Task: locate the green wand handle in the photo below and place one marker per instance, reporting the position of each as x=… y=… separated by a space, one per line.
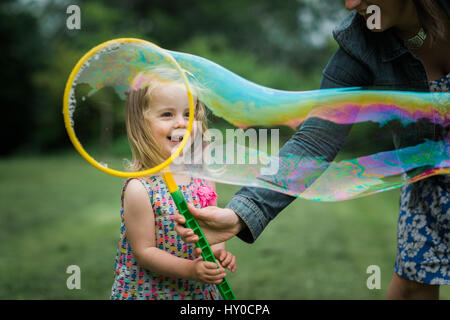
x=207 y=254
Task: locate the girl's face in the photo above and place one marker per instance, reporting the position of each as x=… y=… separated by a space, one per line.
x=391 y=11
x=168 y=116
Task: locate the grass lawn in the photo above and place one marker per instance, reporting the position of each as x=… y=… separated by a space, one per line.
x=58 y=211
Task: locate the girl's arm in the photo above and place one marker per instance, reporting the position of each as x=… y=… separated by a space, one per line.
x=140 y=226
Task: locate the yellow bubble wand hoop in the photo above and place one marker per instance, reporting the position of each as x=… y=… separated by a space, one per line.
x=207 y=254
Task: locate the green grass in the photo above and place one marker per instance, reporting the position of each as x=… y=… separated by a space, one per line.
x=57 y=211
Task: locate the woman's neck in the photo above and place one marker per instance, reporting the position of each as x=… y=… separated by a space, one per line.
x=409 y=24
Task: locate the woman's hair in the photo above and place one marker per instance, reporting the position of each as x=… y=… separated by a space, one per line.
x=432 y=18
x=146 y=153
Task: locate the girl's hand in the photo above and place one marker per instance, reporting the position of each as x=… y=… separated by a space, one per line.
x=226 y=259
x=207 y=272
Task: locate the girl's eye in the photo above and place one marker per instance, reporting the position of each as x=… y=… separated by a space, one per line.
x=166 y=114
x=186 y=114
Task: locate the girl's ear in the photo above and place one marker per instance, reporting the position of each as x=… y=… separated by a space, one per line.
x=147 y=113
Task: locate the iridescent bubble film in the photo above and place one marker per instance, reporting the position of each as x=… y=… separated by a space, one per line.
x=388 y=138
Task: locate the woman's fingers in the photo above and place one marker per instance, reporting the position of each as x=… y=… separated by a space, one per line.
x=217 y=224
x=198 y=213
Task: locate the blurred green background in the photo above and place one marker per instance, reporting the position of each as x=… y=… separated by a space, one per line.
x=56 y=210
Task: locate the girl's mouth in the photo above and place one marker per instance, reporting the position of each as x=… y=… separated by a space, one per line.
x=176 y=135
x=175 y=138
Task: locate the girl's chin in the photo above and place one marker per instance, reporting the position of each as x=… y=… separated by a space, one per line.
x=170 y=148
x=173 y=146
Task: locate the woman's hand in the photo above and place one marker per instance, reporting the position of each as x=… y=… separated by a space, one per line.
x=226 y=259
x=207 y=272
x=217 y=224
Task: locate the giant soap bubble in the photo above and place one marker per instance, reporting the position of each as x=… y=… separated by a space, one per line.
x=383 y=140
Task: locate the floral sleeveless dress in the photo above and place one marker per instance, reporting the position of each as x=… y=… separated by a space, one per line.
x=133 y=282
x=423 y=234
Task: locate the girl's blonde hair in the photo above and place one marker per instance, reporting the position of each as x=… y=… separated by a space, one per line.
x=146 y=153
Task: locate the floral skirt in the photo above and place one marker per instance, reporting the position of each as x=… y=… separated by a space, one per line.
x=423 y=233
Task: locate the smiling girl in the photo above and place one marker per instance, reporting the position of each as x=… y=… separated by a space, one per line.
x=152 y=262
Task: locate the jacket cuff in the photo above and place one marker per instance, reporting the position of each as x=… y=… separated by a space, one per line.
x=252 y=216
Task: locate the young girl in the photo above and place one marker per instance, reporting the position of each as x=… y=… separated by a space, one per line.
x=152 y=262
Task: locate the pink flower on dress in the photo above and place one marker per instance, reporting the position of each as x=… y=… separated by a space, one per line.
x=206 y=195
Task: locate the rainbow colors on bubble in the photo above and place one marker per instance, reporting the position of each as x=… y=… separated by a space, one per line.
x=365 y=165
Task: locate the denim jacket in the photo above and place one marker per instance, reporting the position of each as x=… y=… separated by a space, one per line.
x=364 y=58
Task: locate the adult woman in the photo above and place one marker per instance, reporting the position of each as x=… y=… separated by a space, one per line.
x=408 y=52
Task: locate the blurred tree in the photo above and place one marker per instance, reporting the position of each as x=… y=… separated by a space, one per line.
x=65 y=47
x=281 y=44
x=21 y=56
x=291 y=32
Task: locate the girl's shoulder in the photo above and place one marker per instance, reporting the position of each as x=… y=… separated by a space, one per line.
x=134 y=185
x=134 y=191
x=138 y=184
x=144 y=187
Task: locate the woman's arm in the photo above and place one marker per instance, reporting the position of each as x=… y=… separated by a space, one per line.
x=140 y=226
x=251 y=209
x=316 y=137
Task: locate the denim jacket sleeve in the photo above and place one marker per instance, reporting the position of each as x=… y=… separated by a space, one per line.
x=316 y=137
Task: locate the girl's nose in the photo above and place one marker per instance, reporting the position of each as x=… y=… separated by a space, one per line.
x=352 y=4
x=180 y=122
